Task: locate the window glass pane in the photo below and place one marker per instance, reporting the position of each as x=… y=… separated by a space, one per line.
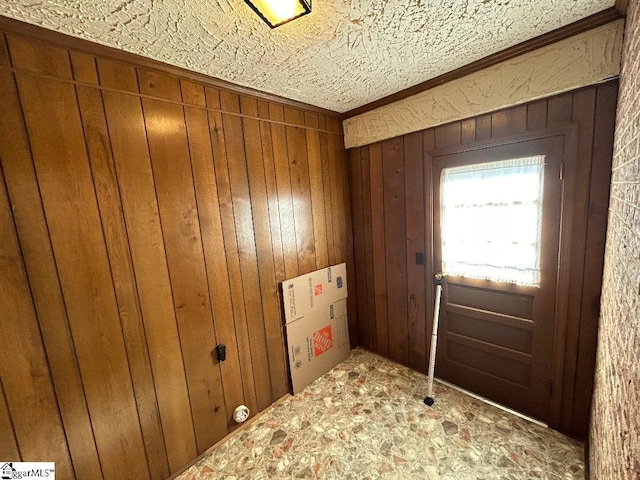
x=491 y=216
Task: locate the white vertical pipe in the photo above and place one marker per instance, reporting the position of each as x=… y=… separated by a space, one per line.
x=434 y=340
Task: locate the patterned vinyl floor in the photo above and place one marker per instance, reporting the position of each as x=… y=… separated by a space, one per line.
x=365 y=419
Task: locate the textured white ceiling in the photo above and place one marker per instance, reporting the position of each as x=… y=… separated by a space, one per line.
x=345 y=54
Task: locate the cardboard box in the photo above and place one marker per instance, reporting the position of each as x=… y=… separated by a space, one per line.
x=317 y=342
x=306 y=292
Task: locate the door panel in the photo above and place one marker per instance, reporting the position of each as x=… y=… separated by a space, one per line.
x=496 y=339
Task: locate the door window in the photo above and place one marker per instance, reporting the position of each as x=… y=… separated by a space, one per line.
x=491 y=220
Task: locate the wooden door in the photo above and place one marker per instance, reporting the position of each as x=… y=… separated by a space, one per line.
x=496 y=339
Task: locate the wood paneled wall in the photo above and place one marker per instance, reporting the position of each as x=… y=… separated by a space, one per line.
x=145 y=218
x=391 y=197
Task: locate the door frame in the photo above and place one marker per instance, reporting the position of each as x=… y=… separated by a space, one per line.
x=569 y=132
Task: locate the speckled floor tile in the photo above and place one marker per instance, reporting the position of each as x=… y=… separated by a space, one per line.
x=365 y=419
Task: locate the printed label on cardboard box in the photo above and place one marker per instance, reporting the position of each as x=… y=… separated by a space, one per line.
x=322 y=341
x=317 y=342
x=322 y=287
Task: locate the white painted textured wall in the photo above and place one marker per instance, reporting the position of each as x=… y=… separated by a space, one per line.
x=584 y=59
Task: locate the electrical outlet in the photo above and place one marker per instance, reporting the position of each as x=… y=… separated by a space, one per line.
x=221 y=352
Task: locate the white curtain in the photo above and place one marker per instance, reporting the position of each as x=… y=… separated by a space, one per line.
x=491 y=217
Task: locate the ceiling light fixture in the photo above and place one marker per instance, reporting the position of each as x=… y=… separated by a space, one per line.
x=279 y=12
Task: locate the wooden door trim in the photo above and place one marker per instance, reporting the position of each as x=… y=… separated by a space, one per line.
x=564 y=273
x=566 y=129
x=569 y=132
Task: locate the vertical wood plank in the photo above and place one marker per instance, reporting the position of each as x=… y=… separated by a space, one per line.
x=537 y=115
x=214 y=253
x=294 y=116
x=118 y=75
x=368 y=248
x=269 y=161
x=378 y=248
x=193 y=94
x=343 y=221
x=583 y=114
x=326 y=196
x=135 y=179
x=340 y=194
x=4 y=54
x=245 y=235
x=32 y=404
x=396 y=246
x=564 y=267
x=346 y=223
x=279 y=383
x=22 y=186
x=84 y=67
x=360 y=280
x=227 y=213
x=339 y=167
x=272 y=191
x=316 y=186
x=9 y=445
x=448 y=135
x=300 y=189
x=340 y=184
x=483 y=127
x=559 y=109
x=334 y=125
x=322 y=122
x=415 y=240
x=468 y=127
x=37 y=57
x=311 y=120
x=182 y=238
x=264 y=250
x=428 y=140
x=159 y=85
x=100 y=157
x=606 y=98
x=510 y=121
x=339 y=201
x=285 y=199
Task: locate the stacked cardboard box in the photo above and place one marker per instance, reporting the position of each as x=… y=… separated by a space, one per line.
x=315 y=310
